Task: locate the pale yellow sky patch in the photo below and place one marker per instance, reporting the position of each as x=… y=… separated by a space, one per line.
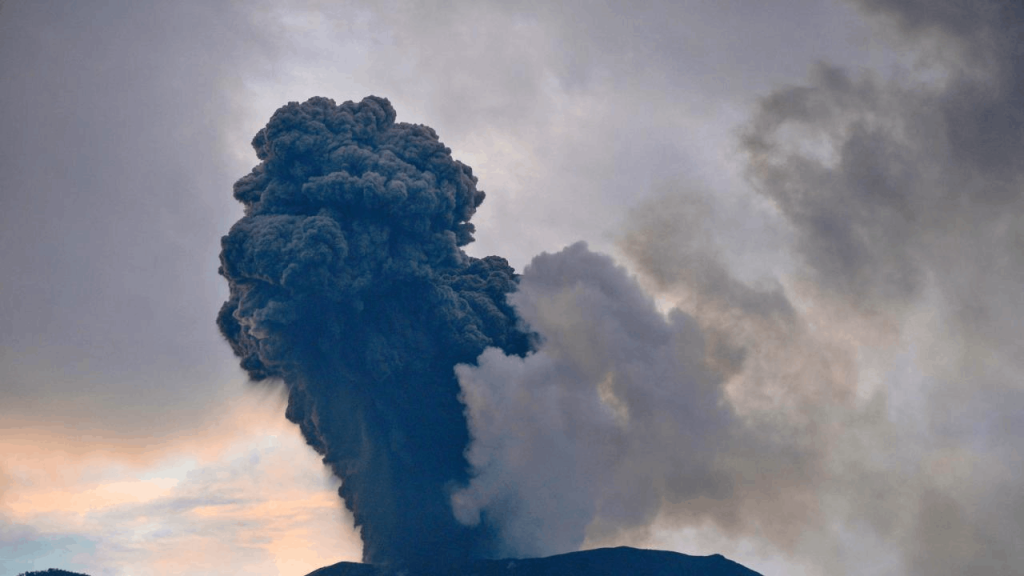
x=272 y=507
x=24 y=504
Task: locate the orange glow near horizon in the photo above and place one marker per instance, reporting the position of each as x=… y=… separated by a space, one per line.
x=244 y=492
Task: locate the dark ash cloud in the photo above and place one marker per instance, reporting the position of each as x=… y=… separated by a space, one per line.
x=348 y=283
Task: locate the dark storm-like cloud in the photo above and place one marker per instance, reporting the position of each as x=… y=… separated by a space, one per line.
x=348 y=283
x=894 y=161
x=909 y=192
x=906 y=197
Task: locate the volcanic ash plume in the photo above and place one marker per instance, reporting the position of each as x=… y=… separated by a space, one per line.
x=615 y=414
x=347 y=283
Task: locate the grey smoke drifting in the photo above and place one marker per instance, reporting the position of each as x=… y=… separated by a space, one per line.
x=907 y=177
x=614 y=414
x=906 y=199
x=887 y=365
x=348 y=283
x=626 y=417
x=864 y=411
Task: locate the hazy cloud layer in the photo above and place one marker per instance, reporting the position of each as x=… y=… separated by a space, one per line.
x=108 y=230
x=903 y=196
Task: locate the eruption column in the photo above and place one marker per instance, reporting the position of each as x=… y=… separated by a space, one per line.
x=348 y=283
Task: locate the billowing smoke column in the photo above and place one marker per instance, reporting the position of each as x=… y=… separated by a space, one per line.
x=614 y=415
x=347 y=282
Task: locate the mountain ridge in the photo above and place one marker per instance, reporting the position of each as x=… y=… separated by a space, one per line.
x=617 y=561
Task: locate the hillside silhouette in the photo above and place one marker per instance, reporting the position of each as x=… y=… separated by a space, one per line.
x=621 y=561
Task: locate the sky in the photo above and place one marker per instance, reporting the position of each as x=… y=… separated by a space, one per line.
x=818 y=201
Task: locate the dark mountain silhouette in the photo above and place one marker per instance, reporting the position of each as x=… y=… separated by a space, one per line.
x=621 y=561
x=602 y=562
